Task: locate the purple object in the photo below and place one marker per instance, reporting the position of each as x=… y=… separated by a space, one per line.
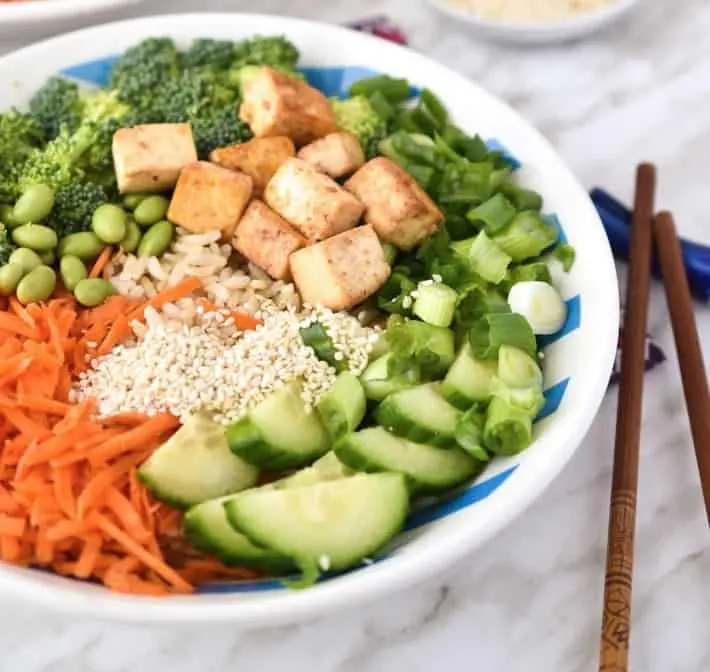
x=382 y=27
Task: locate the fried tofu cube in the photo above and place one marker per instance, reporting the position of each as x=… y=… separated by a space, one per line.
x=150 y=157
x=397 y=207
x=209 y=198
x=312 y=202
x=276 y=104
x=340 y=272
x=336 y=155
x=259 y=158
x=267 y=240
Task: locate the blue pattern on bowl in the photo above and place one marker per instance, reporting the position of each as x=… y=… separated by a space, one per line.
x=335 y=81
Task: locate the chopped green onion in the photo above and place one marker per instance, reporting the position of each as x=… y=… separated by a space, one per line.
x=522 y=199
x=469 y=434
x=475 y=301
x=468 y=185
x=528 y=399
x=537 y=271
x=424 y=175
x=383 y=108
x=472 y=148
x=406 y=121
x=316 y=337
x=389 y=251
x=486 y=258
x=540 y=304
x=526 y=236
x=517 y=369
x=494 y=215
x=435 y=304
x=508 y=429
x=393 y=89
x=395 y=295
x=430 y=112
x=490 y=332
x=565 y=254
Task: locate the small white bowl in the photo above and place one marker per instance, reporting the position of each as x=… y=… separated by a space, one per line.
x=536 y=33
x=30 y=19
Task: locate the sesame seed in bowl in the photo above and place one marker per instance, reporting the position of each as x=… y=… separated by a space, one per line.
x=530 y=23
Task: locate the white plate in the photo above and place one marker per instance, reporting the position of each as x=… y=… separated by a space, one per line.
x=547 y=32
x=577 y=362
x=30 y=18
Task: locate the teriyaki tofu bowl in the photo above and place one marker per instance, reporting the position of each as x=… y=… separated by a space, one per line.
x=291 y=318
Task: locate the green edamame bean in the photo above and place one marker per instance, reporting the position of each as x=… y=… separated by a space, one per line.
x=48 y=257
x=133 y=236
x=131 y=201
x=37 y=285
x=109 y=223
x=72 y=271
x=34 y=204
x=151 y=210
x=7 y=217
x=26 y=258
x=86 y=245
x=35 y=236
x=156 y=239
x=93 y=291
x=10 y=276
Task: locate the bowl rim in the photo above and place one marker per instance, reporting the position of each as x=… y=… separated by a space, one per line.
x=399 y=571
x=36 y=11
x=573 y=24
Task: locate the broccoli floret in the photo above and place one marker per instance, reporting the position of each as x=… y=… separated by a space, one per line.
x=357 y=116
x=217 y=126
x=276 y=51
x=207 y=53
x=7 y=247
x=20 y=136
x=142 y=68
x=57 y=105
x=74 y=204
x=64 y=158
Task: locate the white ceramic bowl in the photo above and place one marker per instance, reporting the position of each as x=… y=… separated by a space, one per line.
x=578 y=360
x=23 y=20
x=546 y=32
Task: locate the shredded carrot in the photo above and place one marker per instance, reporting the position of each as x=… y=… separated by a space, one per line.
x=101 y=262
x=11 y=527
x=182 y=289
x=70 y=499
x=242 y=321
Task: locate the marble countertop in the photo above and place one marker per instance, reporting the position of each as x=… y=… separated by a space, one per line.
x=530 y=600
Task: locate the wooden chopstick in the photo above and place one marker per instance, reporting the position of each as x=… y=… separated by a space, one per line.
x=685 y=333
x=614 y=650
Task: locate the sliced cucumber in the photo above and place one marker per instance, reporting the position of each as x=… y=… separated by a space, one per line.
x=429 y=469
x=342 y=408
x=208 y=530
x=279 y=433
x=420 y=414
x=195 y=465
x=469 y=380
x=331 y=525
x=377 y=383
x=327 y=468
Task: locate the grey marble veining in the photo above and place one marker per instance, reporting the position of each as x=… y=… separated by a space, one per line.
x=530 y=600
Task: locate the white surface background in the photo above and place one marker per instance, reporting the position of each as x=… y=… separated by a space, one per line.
x=530 y=601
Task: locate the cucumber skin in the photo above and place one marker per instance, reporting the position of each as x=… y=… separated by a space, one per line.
x=353 y=458
x=337 y=419
x=256 y=538
x=159 y=494
x=262 y=559
x=246 y=441
x=394 y=422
